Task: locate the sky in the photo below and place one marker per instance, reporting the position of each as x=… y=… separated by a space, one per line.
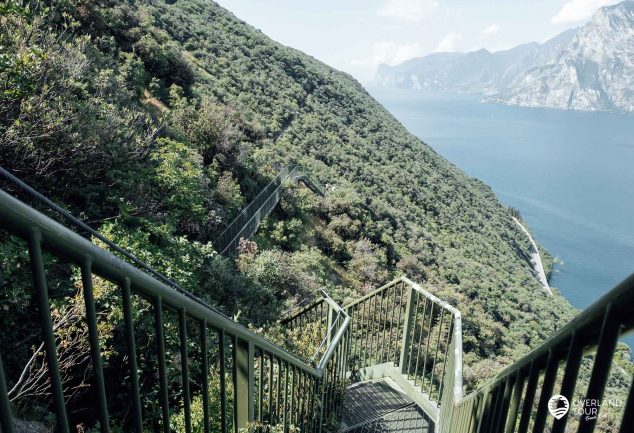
x=357 y=35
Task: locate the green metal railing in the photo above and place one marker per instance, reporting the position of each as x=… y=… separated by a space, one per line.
x=322 y=318
x=257 y=380
x=402 y=331
x=248 y=220
x=331 y=323
x=517 y=398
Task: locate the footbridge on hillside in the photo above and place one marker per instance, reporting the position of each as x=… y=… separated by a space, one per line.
x=248 y=220
x=390 y=361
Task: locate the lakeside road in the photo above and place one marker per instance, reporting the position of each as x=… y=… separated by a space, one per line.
x=536 y=259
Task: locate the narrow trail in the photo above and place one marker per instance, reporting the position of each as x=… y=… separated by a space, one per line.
x=536 y=259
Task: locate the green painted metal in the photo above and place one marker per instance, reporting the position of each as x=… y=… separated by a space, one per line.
x=6 y=420
x=43 y=233
x=131 y=346
x=248 y=220
x=399 y=330
x=93 y=335
x=595 y=330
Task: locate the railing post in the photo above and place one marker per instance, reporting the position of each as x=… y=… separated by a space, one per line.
x=244 y=383
x=407 y=326
x=332 y=317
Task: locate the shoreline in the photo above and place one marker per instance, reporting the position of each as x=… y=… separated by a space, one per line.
x=536 y=259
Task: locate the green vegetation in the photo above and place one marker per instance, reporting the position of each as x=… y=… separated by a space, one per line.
x=157 y=121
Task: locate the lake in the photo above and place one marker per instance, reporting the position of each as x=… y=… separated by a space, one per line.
x=571 y=175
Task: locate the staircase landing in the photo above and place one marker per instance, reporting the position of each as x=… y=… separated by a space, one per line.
x=381 y=406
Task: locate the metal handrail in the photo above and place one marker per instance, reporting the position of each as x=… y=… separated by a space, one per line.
x=495 y=406
x=385 y=316
x=43 y=233
x=79 y=224
x=399 y=314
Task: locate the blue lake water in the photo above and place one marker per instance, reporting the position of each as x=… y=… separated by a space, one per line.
x=571 y=175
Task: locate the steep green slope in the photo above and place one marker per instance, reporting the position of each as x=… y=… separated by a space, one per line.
x=428 y=217
x=158 y=120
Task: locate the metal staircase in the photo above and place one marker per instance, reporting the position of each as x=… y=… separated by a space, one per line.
x=390 y=361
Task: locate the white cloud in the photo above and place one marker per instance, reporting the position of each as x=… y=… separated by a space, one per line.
x=574 y=11
x=492 y=29
x=410 y=10
x=448 y=43
x=391 y=53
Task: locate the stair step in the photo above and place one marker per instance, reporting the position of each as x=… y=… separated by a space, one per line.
x=381 y=406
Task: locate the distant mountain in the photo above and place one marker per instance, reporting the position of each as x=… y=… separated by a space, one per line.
x=595 y=71
x=475 y=72
x=588 y=68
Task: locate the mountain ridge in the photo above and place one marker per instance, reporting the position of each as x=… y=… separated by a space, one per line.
x=589 y=68
x=480 y=71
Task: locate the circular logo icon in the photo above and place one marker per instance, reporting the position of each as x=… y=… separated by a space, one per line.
x=558 y=406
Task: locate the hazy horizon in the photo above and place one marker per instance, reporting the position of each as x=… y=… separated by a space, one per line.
x=393 y=31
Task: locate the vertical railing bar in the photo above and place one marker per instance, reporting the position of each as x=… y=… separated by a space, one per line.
x=384 y=313
x=278 y=400
x=610 y=329
x=205 y=374
x=261 y=388
x=250 y=381
x=569 y=381
x=46 y=324
x=311 y=410
x=131 y=345
x=420 y=336
x=301 y=395
x=335 y=374
x=6 y=418
x=433 y=366
x=444 y=364
x=515 y=401
x=484 y=413
x=407 y=319
x=413 y=332
x=93 y=337
x=473 y=418
x=398 y=321
x=271 y=374
x=628 y=412
x=490 y=413
x=390 y=351
x=223 y=381
x=504 y=405
x=286 y=402
x=429 y=332
x=475 y=412
x=291 y=417
x=373 y=334
x=529 y=396
x=236 y=385
x=546 y=391
x=378 y=310
x=182 y=327
x=354 y=317
x=160 y=343
x=364 y=333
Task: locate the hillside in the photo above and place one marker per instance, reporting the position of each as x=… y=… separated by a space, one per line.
x=156 y=122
